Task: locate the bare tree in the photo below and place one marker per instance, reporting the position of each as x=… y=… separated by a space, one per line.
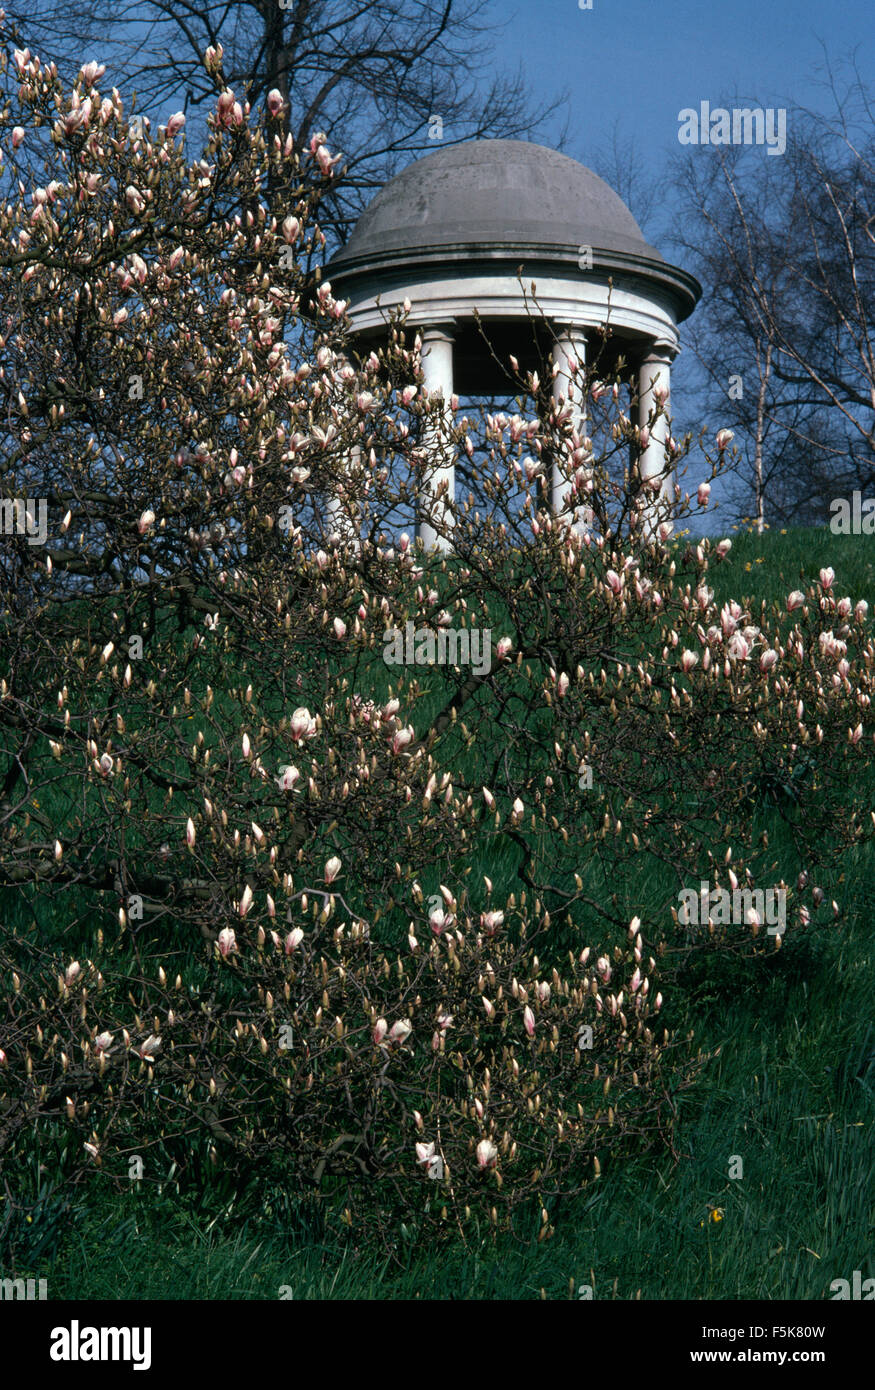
x=384 y=79
x=786 y=251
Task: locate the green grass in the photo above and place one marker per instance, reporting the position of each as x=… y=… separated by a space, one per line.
x=791 y=1093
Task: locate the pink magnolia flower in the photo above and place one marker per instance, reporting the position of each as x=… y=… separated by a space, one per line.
x=703 y=492
x=795 y=600
x=400 y=1030
x=103 y=1042
x=724 y=438
x=289 y=775
x=303 y=725
x=768 y=659
x=293 y=940
x=439 y=920
x=826 y=577
x=175 y=124
x=529 y=1021
x=325 y=161
x=860 y=610
x=72 y=973
x=487 y=1153
x=724 y=548
x=339 y=628
x=275 y=101
x=615 y=583
x=146 y=520
x=381 y=1028
x=503 y=646
x=227 y=941
x=332 y=869
x=491 y=921
x=688 y=660
x=89 y=73
x=424 y=1153
x=190 y=833
x=401 y=739
x=149 y=1047
x=17 y=136
x=135 y=200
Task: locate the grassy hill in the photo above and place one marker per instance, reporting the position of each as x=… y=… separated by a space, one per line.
x=768 y=1195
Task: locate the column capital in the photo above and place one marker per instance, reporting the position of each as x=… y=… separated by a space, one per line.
x=566 y=328
x=438 y=332
x=660 y=350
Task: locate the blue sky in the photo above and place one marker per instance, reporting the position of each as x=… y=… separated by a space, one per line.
x=635 y=64
x=642 y=61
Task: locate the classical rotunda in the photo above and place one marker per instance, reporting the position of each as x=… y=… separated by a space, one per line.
x=451 y=234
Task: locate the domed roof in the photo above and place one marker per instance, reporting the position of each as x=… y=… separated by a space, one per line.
x=495 y=192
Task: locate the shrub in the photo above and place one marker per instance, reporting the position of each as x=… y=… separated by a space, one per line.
x=202 y=739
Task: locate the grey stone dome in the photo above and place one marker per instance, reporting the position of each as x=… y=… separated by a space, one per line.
x=494 y=193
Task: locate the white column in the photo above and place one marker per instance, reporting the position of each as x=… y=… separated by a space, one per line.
x=437 y=366
x=339 y=526
x=569 y=387
x=654 y=392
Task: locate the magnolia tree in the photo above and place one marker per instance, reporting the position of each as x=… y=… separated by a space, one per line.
x=322 y=855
